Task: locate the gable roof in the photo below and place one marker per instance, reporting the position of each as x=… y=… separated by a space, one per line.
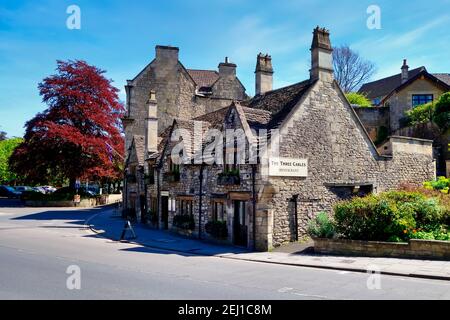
x=279 y=102
x=382 y=87
x=215 y=118
x=444 y=77
x=421 y=74
x=257 y=117
x=204 y=78
x=138 y=143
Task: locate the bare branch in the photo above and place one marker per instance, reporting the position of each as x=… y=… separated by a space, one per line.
x=350 y=69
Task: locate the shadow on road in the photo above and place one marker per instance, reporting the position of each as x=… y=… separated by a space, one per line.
x=158 y=251
x=77 y=217
x=10 y=203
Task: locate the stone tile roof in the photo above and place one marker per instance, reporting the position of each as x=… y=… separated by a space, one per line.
x=382 y=87
x=257 y=117
x=215 y=119
x=444 y=77
x=278 y=102
x=204 y=78
x=139 y=145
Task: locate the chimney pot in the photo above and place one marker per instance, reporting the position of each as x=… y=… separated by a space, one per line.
x=263 y=74
x=321 y=55
x=405 y=71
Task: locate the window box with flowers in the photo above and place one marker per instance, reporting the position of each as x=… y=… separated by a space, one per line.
x=228 y=178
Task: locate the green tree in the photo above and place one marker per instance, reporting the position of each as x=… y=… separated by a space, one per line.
x=7 y=147
x=359 y=99
x=442 y=112
x=420 y=114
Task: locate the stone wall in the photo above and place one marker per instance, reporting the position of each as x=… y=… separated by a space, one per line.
x=373 y=119
x=416 y=249
x=325 y=130
x=175 y=93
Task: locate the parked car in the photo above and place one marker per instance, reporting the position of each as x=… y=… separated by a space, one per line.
x=49 y=189
x=40 y=189
x=9 y=192
x=23 y=188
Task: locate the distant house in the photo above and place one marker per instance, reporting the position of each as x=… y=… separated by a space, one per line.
x=406 y=90
x=392 y=96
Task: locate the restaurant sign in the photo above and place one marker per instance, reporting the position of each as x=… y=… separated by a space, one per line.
x=288 y=167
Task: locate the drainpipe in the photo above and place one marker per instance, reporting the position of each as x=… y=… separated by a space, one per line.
x=254 y=204
x=158 y=196
x=145 y=202
x=295 y=200
x=200 y=203
x=125 y=194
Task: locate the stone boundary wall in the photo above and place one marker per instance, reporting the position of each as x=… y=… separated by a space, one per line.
x=415 y=249
x=85 y=203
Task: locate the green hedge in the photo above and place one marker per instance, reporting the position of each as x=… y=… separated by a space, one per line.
x=441 y=183
x=322 y=226
x=420 y=114
x=358 y=99
x=64 y=194
x=390 y=216
x=184 y=221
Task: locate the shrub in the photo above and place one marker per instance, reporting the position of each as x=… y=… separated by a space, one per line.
x=438 y=234
x=442 y=112
x=217 y=229
x=151 y=216
x=63 y=194
x=184 y=221
x=322 y=226
x=442 y=183
x=390 y=216
x=359 y=99
x=420 y=114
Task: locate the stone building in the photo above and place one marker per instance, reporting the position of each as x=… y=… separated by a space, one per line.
x=181 y=94
x=393 y=96
x=324 y=155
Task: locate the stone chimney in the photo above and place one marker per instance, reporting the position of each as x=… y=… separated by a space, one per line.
x=227 y=69
x=321 y=56
x=151 y=125
x=263 y=74
x=167 y=54
x=405 y=71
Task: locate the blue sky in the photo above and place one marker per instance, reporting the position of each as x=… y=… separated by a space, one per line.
x=120 y=36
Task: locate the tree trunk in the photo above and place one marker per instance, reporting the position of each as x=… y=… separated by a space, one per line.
x=72 y=183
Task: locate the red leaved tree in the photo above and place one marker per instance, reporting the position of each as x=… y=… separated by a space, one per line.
x=79 y=135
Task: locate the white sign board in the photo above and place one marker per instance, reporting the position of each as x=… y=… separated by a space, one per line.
x=288 y=167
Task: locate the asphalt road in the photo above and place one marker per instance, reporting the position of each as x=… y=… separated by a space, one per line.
x=38 y=245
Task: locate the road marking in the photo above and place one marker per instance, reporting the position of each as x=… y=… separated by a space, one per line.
x=310 y=295
x=284 y=290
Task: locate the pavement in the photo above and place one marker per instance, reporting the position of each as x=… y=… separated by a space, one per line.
x=110 y=225
x=39 y=247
